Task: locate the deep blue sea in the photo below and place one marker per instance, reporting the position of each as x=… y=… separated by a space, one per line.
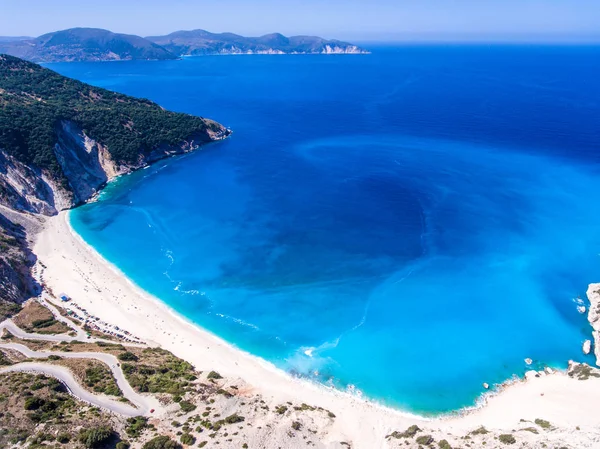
x=408 y=224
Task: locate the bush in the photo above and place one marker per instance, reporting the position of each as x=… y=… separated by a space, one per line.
x=214 y=375
x=187 y=406
x=135 y=426
x=507 y=438
x=408 y=433
x=234 y=419
x=481 y=431
x=188 y=439
x=122 y=445
x=425 y=440
x=63 y=438
x=161 y=442
x=296 y=425
x=281 y=409
x=128 y=357
x=543 y=423
x=94 y=438
x=443 y=444
x=33 y=403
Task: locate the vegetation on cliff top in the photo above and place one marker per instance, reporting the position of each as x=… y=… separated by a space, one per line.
x=34 y=101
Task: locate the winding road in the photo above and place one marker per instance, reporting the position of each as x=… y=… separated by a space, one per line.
x=143 y=404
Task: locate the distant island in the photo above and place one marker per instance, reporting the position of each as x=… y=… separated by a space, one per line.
x=200 y=42
x=93 y=44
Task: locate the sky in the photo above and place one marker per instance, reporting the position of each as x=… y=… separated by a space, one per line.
x=360 y=20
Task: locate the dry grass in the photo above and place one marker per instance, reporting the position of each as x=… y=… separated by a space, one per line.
x=93 y=375
x=65 y=417
x=34 y=317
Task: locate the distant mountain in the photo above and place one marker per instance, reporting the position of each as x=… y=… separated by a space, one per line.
x=84 y=44
x=94 y=44
x=201 y=42
x=14 y=38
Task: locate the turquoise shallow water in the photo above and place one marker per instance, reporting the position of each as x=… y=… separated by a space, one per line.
x=408 y=224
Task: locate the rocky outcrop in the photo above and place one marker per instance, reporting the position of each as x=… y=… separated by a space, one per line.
x=87 y=166
x=342 y=49
x=587 y=347
x=593 y=294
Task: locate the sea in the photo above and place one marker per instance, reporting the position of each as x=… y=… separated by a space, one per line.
x=405 y=225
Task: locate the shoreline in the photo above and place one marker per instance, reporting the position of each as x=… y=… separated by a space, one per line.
x=76 y=268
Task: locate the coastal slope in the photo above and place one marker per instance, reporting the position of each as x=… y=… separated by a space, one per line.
x=84 y=44
x=61 y=140
x=201 y=42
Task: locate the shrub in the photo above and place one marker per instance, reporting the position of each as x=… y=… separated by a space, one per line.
x=296 y=425
x=507 y=438
x=481 y=431
x=128 y=357
x=122 y=445
x=162 y=442
x=33 y=403
x=188 y=439
x=63 y=438
x=187 y=406
x=443 y=444
x=135 y=426
x=543 y=423
x=234 y=419
x=425 y=440
x=214 y=375
x=408 y=433
x=96 y=437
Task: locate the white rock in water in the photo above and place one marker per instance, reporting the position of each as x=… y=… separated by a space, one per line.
x=581 y=309
x=486 y=385
x=528 y=361
x=587 y=347
x=549 y=370
x=531 y=374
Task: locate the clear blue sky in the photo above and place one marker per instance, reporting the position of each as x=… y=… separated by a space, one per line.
x=344 y=19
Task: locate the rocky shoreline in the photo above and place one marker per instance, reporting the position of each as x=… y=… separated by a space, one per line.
x=593 y=294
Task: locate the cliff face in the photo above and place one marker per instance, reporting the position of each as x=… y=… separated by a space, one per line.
x=16 y=260
x=86 y=164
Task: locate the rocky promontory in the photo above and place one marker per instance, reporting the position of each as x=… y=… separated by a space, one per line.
x=62 y=140
x=593 y=294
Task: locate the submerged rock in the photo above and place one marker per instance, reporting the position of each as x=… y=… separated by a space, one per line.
x=528 y=361
x=581 y=309
x=486 y=385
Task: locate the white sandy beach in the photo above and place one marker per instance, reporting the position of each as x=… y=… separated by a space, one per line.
x=75 y=268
